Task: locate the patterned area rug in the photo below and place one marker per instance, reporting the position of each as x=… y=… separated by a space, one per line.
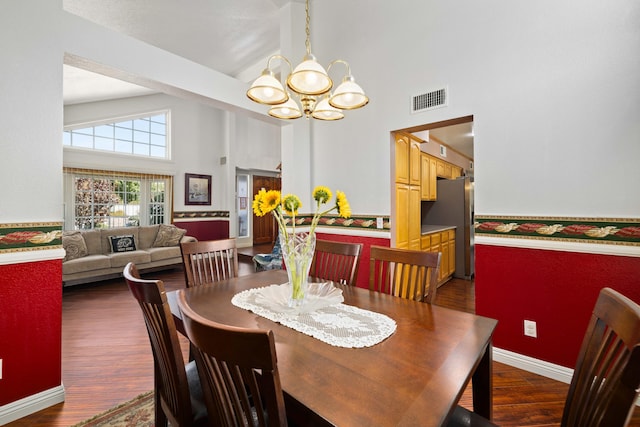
x=137 y=412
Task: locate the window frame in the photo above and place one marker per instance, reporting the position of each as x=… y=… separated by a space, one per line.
x=144 y=196
x=112 y=121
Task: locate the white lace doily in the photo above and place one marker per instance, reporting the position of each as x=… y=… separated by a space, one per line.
x=323 y=316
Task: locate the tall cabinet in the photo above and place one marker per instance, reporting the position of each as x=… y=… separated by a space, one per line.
x=407 y=191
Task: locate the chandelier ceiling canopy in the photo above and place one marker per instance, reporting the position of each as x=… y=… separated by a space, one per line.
x=310 y=83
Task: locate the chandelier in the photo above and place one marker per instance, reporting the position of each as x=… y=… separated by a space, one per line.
x=311 y=85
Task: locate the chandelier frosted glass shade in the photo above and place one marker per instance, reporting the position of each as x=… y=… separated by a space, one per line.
x=266 y=89
x=348 y=95
x=324 y=111
x=288 y=110
x=309 y=78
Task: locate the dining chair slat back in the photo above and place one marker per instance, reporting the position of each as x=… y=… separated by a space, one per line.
x=178 y=393
x=336 y=261
x=404 y=273
x=239 y=371
x=209 y=261
x=606 y=380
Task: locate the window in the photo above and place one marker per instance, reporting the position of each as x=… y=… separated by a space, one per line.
x=100 y=199
x=139 y=136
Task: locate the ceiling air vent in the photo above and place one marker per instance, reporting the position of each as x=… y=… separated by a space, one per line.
x=429 y=100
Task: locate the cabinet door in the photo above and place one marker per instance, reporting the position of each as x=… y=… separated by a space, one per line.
x=402 y=216
x=444 y=261
x=425 y=185
x=440 y=168
x=402 y=159
x=414 y=218
x=425 y=243
x=456 y=172
x=433 y=179
x=452 y=251
x=414 y=162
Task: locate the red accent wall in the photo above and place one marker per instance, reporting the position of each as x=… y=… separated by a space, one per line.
x=30 y=325
x=555 y=289
x=362 y=281
x=205 y=229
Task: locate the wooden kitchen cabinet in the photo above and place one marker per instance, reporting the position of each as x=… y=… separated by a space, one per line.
x=402 y=159
x=445 y=243
x=428 y=184
x=407 y=192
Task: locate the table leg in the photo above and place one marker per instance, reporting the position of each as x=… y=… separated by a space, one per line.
x=482 y=385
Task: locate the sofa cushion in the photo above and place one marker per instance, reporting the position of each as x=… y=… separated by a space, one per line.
x=74 y=245
x=122 y=258
x=159 y=254
x=147 y=235
x=86 y=263
x=168 y=235
x=119 y=231
x=122 y=243
x=93 y=240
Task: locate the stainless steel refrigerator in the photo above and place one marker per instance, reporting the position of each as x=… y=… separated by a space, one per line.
x=454 y=206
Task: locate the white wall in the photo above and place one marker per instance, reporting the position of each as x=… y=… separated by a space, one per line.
x=548 y=84
x=30 y=114
x=552 y=85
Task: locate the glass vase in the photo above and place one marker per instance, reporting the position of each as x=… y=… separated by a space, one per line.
x=297 y=253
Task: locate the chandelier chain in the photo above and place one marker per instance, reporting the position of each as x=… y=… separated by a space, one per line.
x=308 y=41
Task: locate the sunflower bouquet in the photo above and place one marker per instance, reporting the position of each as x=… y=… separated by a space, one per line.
x=271 y=201
x=298 y=248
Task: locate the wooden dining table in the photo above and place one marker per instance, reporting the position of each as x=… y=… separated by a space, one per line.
x=415 y=377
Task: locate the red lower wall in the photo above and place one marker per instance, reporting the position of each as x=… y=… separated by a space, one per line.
x=362 y=280
x=555 y=289
x=205 y=229
x=30 y=325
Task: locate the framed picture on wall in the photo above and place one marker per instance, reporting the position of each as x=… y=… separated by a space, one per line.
x=197 y=189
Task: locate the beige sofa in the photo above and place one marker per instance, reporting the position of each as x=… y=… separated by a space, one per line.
x=101 y=254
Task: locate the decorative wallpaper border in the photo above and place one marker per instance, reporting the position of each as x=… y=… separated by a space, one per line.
x=617 y=231
x=20 y=237
x=201 y=214
x=355 y=222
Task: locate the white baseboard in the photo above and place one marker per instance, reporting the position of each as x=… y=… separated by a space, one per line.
x=31 y=404
x=540 y=367
x=537 y=366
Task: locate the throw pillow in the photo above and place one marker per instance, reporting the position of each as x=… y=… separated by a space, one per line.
x=168 y=235
x=74 y=245
x=122 y=243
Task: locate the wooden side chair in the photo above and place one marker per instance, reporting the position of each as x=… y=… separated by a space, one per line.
x=178 y=394
x=404 y=273
x=239 y=371
x=209 y=261
x=606 y=380
x=336 y=261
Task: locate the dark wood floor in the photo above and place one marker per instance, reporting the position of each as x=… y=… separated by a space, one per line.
x=107 y=359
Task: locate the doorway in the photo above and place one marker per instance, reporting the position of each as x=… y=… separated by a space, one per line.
x=264 y=227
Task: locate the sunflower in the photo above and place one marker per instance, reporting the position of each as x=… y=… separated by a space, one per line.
x=291 y=203
x=322 y=194
x=342 y=205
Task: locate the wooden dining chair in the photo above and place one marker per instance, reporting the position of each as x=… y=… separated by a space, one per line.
x=239 y=371
x=404 y=273
x=606 y=380
x=178 y=394
x=209 y=261
x=336 y=261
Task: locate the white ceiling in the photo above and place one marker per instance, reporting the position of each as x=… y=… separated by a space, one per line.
x=229 y=36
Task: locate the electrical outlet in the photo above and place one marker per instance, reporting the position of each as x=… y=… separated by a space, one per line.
x=379 y=222
x=530 y=329
x=0 y=369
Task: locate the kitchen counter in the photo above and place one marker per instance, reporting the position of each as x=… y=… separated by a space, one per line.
x=428 y=229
